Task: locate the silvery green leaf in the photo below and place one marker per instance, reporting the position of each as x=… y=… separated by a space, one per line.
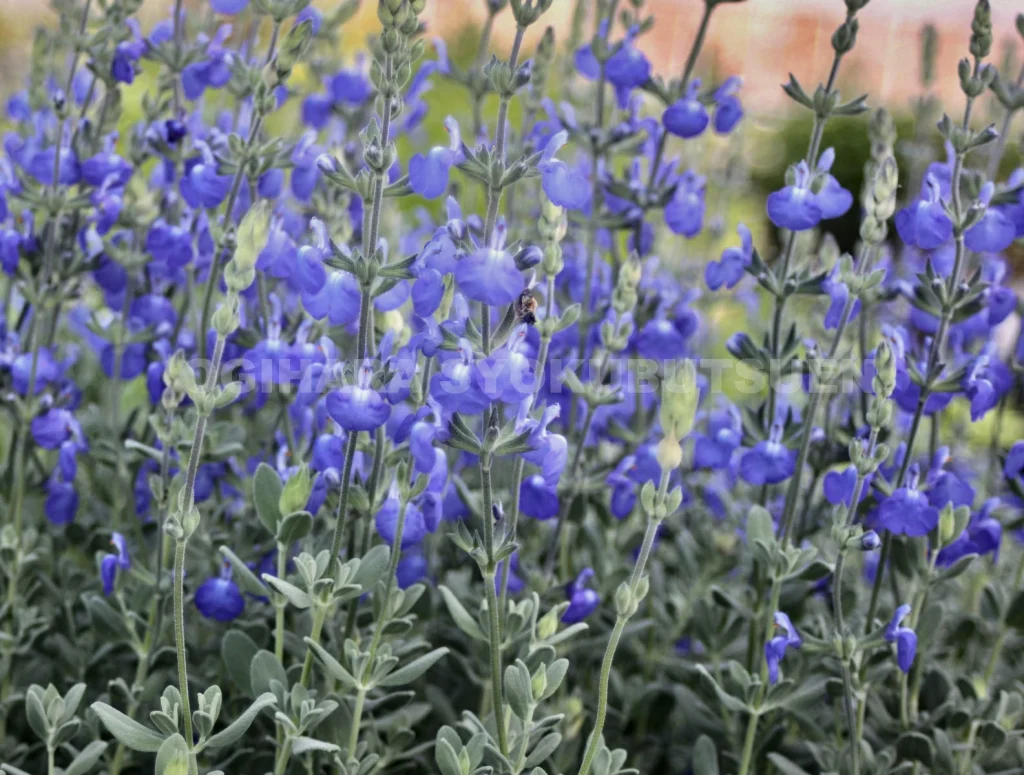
x=372 y=566
x=554 y=675
x=87 y=758
x=237 y=650
x=568 y=632
x=266 y=493
x=65 y=732
x=264 y=670
x=334 y=667
x=410 y=672
x=463 y=620
x=446 y=758
x=705 y=757
x=244 y=577
x=519 y=688
x=131 y=733
x=785 y=766
x=106 y=622
x=10 y=769
x=294 y=527
x=731 y=703
x=72 y=700
x=36 y=713
x=547 y=746
x=239 y=726
x=163 y=722
x=171 y=755
x=301 y=745
x=957 y=568
x=292 y=593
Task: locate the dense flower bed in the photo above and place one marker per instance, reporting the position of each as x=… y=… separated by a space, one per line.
x=303 y=474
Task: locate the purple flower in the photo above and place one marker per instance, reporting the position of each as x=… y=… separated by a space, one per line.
x=564 y=185
x=724 y=436
x=358 y=407
x=904 y=638
x=1014 y=465
x=686 y=117
x=795 y=207
x=775 y=649
x=428 y=175
x=832 y=198
x=907 y=511
x=684 y=213
x=515 y=581
x=730 y=270
x=995 y=231
x=415 y=527
x=229 y=7
x=924 y=224
x=537 y=498
x=219 y=597
x=728 y=110
x=769 y=462
x=839 y=486
x=490 y=274
x=110 y=563
x=61 y=503
x=582 y=599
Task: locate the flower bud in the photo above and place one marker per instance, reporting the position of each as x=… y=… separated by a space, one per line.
x=885 y=368
x=870 y=541
x=296 y=491
x=293 y=47
x=669 y=453
x=226 y=319
x=252 y=235
x=981 y=30
x=947 y=525
x=845 y=36
x=679 y=399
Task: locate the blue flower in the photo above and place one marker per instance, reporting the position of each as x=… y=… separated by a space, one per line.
x=213 y=72
x=839 y=295
x=924 y=224
x=627 y=69
x=724 y=436
x=686 y=117
x=229 y=7
x=730 y=270
x=995 y=231
x=61 y=503
x=53 y=427
x=769 y=462
x=415 y=528
x=582 y=599
x=795 y=207
x=359 y=407
x=110 y=563
x=832 y=198
x=550 y=450
x=684 y=213
x=838 y=486
x=907 y=511
x=127 y=53
x=904 y=638
x=219 y=597
x=456 y=388
x=564 y=185
x=412 y=567
x=202 y=185
x=775 y=649
x=428 y=175
x=350 y=87
x=507 y=374
x=728 y=110
x=537 y=498
x=982 y=536
x=1014 y=465
x=623 y=488
x=490 y=274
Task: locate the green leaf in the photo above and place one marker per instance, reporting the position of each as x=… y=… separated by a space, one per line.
x=172 y=758
x=334 y=667
x=301 y=745
x=105 y=621
x=785 y=766
x=705 y=757
x=266 y=494
x=519 y=688
x=463 y=620
x=127 y=731
x=237 y=650
x=36 y=713
x=760 y=526
x=295 y=493
x=410 y=672
x=372 y=566
x=240 y=725
x=957 y=568
x=1015 y=613
x=292 y=593
x=264 y=669
x=731 y=703
x=294 y=527
x=547 y=746
x=244 y=577
x=87 y=758
x=446 y=758
x=916 y=747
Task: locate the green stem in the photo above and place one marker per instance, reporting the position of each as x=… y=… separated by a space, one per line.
x=748 y=744
x=319 y=614
x=282 y=566
x=623 y=617
x=179 y=645
x=489 y=571
x=993 y=660
x=378 y=631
